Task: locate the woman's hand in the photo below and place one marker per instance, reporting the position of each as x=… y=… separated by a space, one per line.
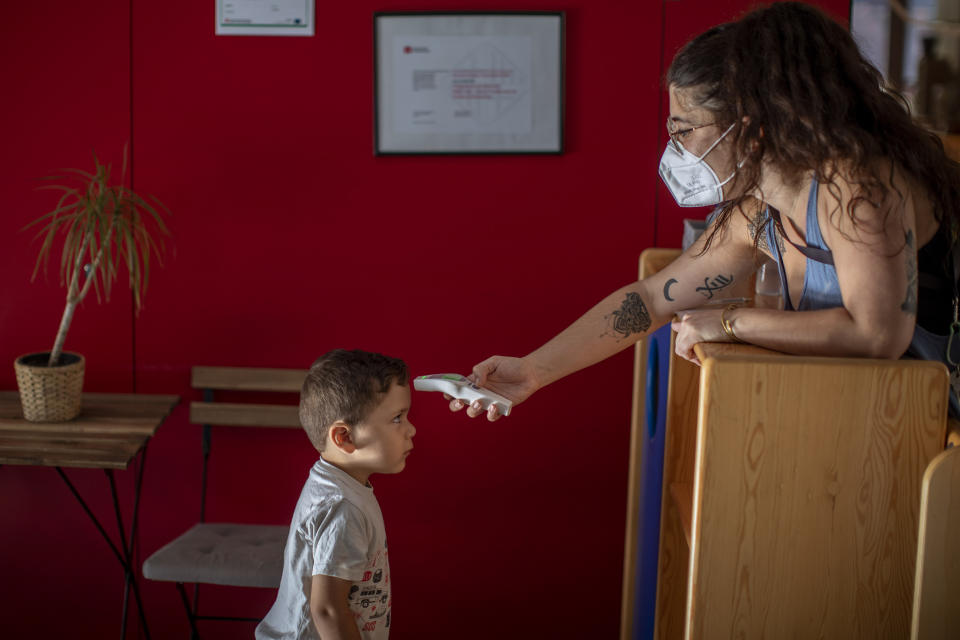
x=513 y=378
x=698 y=325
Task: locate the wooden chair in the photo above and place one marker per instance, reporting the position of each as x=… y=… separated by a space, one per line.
x=242 y=555
x=936 y=599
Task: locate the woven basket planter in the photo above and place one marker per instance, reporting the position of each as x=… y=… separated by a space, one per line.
x=50 y=394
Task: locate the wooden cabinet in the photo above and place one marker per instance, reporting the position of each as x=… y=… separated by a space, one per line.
x=791 y=493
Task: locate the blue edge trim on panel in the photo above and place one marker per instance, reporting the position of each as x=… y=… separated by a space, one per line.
x=651 y=485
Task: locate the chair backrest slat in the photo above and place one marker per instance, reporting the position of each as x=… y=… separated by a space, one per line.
x=248 y=378
x=244 y=414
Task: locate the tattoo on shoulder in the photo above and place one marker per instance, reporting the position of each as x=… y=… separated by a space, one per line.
x=910 y=299
x=758 y=226
x=754 y=227
x=632 y=317
x=710 y=285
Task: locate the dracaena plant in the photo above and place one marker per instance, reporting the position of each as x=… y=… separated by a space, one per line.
x=101 y=225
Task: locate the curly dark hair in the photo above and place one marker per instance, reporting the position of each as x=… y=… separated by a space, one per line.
x=345 y=385
x=806 y=100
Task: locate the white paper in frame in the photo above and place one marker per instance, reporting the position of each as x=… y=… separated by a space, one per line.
x=468 y=83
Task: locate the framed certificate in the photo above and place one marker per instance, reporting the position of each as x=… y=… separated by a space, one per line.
x=265 y=17
x=468 y=82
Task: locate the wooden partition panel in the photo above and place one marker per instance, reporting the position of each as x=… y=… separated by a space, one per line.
x=936 y=601
x=678 y=468
x=651 y=261
x=807 y=493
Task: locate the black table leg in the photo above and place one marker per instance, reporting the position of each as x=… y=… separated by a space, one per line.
x=124 y=554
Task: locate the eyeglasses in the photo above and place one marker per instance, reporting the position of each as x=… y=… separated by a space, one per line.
x=675 y=133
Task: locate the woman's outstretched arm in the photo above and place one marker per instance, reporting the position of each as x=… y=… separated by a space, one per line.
x=624 y=317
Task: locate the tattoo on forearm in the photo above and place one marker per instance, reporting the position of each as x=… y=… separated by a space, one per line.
x=632 y=317
x=910 y=300
x=666 y=289
x=710 y=286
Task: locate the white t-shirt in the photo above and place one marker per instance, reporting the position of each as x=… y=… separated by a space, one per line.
x=337 y=530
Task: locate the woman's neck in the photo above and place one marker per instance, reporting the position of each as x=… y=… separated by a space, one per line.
x=789 y=198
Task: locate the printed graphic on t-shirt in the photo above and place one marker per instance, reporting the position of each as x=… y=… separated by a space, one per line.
x=370 y=598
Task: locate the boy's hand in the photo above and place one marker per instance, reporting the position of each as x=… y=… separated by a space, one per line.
x=330 y=610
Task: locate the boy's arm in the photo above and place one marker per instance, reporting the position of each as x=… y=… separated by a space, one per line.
x=330 y=611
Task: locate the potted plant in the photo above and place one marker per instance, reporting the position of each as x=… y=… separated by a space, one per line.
x=101 y=225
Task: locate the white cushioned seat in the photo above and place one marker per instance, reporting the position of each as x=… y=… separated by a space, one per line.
x=240 y=555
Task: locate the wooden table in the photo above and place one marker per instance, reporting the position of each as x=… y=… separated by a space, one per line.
x=110 y=431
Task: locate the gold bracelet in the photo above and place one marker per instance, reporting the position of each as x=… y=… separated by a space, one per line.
x=727 y=327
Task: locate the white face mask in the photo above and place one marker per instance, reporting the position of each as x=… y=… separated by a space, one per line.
x=689 y=178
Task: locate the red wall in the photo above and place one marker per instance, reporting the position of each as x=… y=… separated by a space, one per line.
x=290 y=238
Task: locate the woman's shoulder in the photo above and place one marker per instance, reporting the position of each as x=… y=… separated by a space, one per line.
x=869 y=193
x=750 y=220
x=877 y=202
x=880 y=181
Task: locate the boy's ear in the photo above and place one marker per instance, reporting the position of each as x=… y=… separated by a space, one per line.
x=341 y=436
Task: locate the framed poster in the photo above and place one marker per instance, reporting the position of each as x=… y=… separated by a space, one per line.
x=265 y=17
x=468 y=82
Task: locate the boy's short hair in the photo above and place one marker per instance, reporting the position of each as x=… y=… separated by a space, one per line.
x=345 y=386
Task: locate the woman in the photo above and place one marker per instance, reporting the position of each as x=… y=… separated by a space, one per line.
x=780 y=120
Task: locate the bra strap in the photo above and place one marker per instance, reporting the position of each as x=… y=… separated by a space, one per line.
x=816 y=254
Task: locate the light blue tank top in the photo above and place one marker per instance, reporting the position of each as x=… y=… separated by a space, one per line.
x=821 y=287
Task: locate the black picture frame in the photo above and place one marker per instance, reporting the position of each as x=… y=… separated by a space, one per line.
x=468 y=82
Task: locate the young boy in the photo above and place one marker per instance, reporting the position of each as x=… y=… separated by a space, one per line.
x=336 y=578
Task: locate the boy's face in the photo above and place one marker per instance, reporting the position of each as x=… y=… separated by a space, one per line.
x=384 y=438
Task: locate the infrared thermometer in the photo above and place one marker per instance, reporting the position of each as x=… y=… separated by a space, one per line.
x=453 y=384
